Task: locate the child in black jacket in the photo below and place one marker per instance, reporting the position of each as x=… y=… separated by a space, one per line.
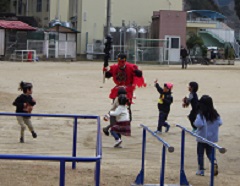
x=193 y=100
x=164 y=102
x=24 y=104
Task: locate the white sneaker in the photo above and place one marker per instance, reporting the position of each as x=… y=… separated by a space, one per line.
x=118 y=142
x=200 y=173
x=157 y=132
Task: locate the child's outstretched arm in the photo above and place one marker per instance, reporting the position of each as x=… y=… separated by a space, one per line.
x=159 y=89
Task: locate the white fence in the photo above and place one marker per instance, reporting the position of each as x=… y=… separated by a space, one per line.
x=37 y=45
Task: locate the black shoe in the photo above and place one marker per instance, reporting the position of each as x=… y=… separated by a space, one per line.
x=167 y=128
x=105 y=131
x=21 y=140
x=34 y=134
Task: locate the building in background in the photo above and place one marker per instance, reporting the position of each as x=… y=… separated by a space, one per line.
x=89 y=16
x=170 y=25
x=13 y=36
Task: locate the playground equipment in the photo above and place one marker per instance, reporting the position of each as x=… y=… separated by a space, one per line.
x=140 y=178
x=183 y=178
x=64 y=159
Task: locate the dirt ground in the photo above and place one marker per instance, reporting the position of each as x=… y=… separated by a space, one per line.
x=78 y=88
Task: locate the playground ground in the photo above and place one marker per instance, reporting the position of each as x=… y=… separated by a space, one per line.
x=78 y=88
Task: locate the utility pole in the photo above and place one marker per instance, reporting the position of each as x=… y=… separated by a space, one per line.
x=108 y=40
x=108 y=16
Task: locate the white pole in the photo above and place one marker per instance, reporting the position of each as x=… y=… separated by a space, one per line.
x=58 y=7
x=169 y=40
x=135 y=48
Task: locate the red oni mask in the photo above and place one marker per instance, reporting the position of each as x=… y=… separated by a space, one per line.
x=121 y=63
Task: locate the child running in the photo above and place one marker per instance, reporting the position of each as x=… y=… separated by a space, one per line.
x=164 y=102
x=193 y=100
x=115 y=104
x=207 y=123
x=24 y=104
x=122 y=125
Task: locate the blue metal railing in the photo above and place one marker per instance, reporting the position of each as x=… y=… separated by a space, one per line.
x=63 y=159
x=140 y=178
x=183 y=178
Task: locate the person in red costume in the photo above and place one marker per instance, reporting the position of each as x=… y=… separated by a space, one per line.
x=125 y=75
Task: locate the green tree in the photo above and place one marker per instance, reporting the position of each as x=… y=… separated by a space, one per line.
x=195 y=40
x=4 y=6
x=237 y=7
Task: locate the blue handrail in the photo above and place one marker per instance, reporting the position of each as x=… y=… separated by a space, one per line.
x=63 y=159
x=183 y=178
x=140 y=177
x=221 y=149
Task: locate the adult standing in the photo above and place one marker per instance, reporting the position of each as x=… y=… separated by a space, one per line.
x=184 y=54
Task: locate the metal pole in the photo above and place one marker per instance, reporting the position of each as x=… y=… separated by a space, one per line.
x=183 y=178
x=212 y=167
x=135 y=51
x=143 y=154
x=58 y=7
x=76 y=23
x=163 y=166
x=74 y=150
x=140 y=177
x=97 y=172
x=62 y=173
x=108 y=16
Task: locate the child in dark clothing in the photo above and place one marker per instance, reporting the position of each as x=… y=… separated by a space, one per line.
x=164 y=102
x=24 y=104
x=193 y=100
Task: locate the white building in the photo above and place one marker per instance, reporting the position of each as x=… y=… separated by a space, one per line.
x=89 y=16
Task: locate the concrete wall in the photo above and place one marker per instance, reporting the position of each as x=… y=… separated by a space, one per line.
x=173 y=23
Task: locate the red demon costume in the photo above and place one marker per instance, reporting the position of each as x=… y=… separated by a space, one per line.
x=125 y=75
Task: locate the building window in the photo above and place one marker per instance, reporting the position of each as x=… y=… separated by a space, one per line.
x=47 y=8
x=39 y=5
x=175 y=42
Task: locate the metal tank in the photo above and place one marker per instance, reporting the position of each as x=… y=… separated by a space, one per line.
x=142 y=34
x=67 y=24
x=131 y=33
x=54 y=23
x=122 y=36
x=113 y=33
